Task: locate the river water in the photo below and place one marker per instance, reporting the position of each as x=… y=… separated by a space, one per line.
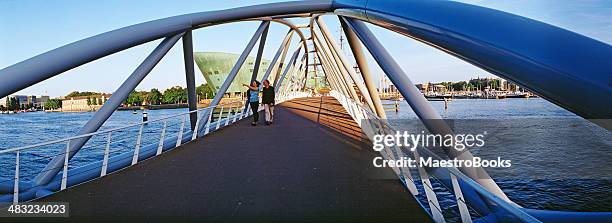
x=560 y=161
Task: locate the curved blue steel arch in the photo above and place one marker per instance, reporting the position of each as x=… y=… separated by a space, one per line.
x=568 y=69
x=574 y=76
x=56 y=61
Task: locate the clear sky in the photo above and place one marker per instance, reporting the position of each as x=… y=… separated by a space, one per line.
x=31 y=27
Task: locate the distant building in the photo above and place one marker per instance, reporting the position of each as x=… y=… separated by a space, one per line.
x=215 y=67
x=24 y=100
x=40 y=101
x=84 y=103
x=422 y=87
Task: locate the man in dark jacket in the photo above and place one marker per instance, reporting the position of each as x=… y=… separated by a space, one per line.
x=268 y=100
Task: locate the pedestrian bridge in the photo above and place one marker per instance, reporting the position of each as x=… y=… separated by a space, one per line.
x=314 y=162
x=241 y=172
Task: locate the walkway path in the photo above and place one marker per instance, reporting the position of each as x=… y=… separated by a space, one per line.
x=301 y=168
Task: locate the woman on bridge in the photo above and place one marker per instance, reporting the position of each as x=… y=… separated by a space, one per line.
x=267 y=99
x=253 y=94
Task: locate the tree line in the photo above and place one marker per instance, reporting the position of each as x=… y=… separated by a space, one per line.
x=474 y=84
x=173 y=95
x=12 y=104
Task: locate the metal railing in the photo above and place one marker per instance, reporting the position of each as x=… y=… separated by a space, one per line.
x=112 y=149
x=459 y=182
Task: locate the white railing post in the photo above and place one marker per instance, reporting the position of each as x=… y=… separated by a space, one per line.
x=235 y=116
x=227 y=119
x=430 y=194
x=16 y=186
x=248 y=108
x=65 y=173
x=160 y=146
x=137 y=149
x=463 y=210
x=179 y=138
x=220 y=117
x=106 y=152
x=194 y=132
x=207 y=130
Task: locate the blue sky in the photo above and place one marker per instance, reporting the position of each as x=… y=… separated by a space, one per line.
x=31 y=27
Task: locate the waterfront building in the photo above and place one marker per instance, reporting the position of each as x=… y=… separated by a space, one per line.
x=84 y=103
x=40 y=101
x=25 y=101
x=215 y=66
x=422 y=87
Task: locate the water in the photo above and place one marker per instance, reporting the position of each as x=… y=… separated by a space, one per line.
x=555 y=174
x=559 y=160
x=38 y=127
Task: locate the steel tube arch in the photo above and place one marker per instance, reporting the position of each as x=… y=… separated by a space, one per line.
x=575 y=77
x=339 y=55
x=41 y=67
x=570 y=70
x=52 y=168
x=363 y=67
x=291 y=26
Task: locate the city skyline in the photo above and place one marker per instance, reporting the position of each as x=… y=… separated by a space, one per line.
x=73 y=20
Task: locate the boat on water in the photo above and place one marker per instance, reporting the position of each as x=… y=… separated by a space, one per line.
x=518 y=95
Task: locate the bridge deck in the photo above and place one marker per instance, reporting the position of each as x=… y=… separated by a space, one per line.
x=304 y=167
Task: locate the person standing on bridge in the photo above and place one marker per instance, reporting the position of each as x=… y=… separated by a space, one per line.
x=253 y=94
x=267 y=99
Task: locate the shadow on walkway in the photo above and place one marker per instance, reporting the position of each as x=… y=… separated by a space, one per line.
x=293 y=170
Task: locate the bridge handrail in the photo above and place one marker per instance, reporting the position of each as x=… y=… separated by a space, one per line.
x=358 y=113
x=132 y=152
x=109 y=130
